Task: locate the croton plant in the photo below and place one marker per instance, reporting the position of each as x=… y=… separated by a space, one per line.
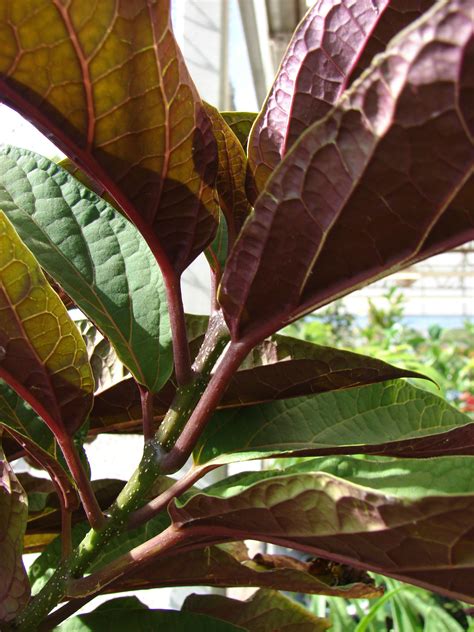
x=359 y=163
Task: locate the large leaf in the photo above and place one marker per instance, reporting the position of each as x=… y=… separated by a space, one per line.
x=230 y=182
x=368 y=189
x=96 y=255
x=391 y=417
x=108 y=83
x=280 y=368
x=14 y=586
x=410 y=519
x=44 y=356
x=265 y=611
x=314 y=72
x=124 y=619
x=229 y=565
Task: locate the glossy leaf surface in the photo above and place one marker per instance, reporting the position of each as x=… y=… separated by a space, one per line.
x=265 y=611
x=410 y=519
x=313 y=74
x=44 y=357
x=230 y=565
x=96 y=255
x=279 y=368
x=390 y=417
x=368 y=189
x=14 y=586
x=108 y=83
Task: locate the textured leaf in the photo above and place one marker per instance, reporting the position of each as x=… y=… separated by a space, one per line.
x=108 y=83
x=21 y=422
x=229 y=565
x=230 y=181
x=313 y=74
x=397 y=15
x=367 y=190
x=390 y=417
x=125 y=619
x=14 y=586
x=45 y=359
x=96 y=255
x=106 y=367
x=265 y=611
x=410 y=519
x=279 y=368
x=241 y=124
x=217 y=252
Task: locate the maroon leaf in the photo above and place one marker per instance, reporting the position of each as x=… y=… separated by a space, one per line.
x=230 y=565
x=280 y=368
x=367 y=190
x=313 y=74
x=108 y=83
x=14 y=585
x=408 y=519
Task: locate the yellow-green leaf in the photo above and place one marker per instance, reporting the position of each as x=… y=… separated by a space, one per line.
x=44 y=357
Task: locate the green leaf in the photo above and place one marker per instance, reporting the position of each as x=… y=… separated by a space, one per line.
x=217 y=252
x=96 y=255
x=392 y=417
x=125 y=619
x=410 y=519
x=265 y=611
x=44 y=356
x=109 y=84
x=14 y=586
x=230 y=565
x=241 y=124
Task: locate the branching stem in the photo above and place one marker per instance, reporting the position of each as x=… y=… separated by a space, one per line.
x=182 y=359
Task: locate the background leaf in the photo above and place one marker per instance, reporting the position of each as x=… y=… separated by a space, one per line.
x=96 y=255
x=406 y=518
x=313 y=74
x=400 y=144
x=14 y=586
x=265 y=611
x=240 y=123
x=45 y=359
x=109 y=82
x=358 y=420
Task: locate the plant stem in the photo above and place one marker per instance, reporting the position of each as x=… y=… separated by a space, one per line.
x=182 y=359
x=155 y=506
x=187 y=397
x=206 y=405
x=147 y=412
x=66 y=541
x=170 y=537
x=86 y=493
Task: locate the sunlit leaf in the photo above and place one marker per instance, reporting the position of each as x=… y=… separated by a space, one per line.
x=240 y=123
x=313 y=74
x=230 y=182
x=410 y=519
x=96 y=255
x=371 y=188
x=14 y=586
x=44 y=357
x=265 y=611
x=108 y=83
x=392 y=417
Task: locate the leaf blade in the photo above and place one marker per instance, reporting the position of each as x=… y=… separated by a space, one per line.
x=45 y=358
x=96 y=255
